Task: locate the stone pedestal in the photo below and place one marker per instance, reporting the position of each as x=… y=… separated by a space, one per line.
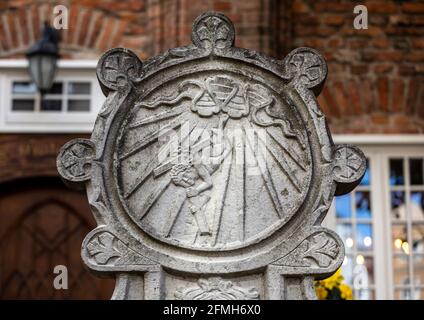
x=209 y=171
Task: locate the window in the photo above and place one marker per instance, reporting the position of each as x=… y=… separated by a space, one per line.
x=382 y=224
x=354 y=225
x=407 y=226
x=66 y=96
x=71 y=105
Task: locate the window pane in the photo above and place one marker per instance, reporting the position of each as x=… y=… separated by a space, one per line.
x=418 y=270
x=363 y=205
x=24 y=87
x=399 y=238
x=398 y=205
x=419 y=294
x=417 y=206
x=363 y=273
x=343 y=206
x=364 y=295
x=416 y=171
x=418 y=238
x=78 y=105
x=347 y=270
x=366 y=179
x=400 y=269
x=56 y=88
x=23 y=105
x=396 y=172
x=51 y=105
x=79 y=87
x=403 y=294
x=364 y=237
x=344 y=230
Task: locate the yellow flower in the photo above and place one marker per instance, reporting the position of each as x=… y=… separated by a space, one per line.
x=321 y=292
x=333 y=281
x=346 y=292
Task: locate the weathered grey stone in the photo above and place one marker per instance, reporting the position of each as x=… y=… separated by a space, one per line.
x=209 y=171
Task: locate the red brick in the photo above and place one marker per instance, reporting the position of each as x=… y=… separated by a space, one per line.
x=335 y=67
x=398 y=94
x=406 y=69
x=307 y=20
x=420 y=106
x=414 y=7
x=380 y=119
x=341 y=98
x=12 y=30
x=3 y=41
x=119 y=32
x=104 y=37
x=72 y=28
x=417 y=43
x=382 y=56
x=23 y=21
x=400 y=121
x=383 y=68
x=328 y=6
x=354 y=97
x=383 y=94
x=332 y=105
x=408 y=30
x=84 y=21
x=357 y=43
x=223 y=6
x=334 y=20
x=323 y=106
x=417 y=56
x=315 y=42
x=359 y=69
x=381 y=7
x=335 y=43
x=412 y=94
x=299 y=6
x=91 y=42
x=36 y=24
x=381 y=43
x=367 y=94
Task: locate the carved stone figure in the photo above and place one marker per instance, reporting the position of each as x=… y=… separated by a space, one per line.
x=209 y=171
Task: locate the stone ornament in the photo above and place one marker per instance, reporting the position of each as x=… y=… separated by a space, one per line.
x=75 y=160
x=209 y=171
x=216 y=289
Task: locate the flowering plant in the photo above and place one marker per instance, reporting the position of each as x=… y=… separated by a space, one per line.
x=332 y=288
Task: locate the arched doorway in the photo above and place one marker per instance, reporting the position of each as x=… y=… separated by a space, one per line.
x=42 y=225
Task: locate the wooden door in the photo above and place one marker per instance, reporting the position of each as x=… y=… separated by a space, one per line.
x=42 y=225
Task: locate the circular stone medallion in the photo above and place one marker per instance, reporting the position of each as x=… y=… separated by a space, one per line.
x=212 y=160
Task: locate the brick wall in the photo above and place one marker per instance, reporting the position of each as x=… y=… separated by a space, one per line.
x=375 y=82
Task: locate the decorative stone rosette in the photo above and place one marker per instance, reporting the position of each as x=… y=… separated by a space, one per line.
x=160 y=212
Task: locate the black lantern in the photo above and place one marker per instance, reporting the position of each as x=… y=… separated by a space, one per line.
x=42 y=58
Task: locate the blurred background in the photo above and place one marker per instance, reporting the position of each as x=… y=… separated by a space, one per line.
x=373 y=97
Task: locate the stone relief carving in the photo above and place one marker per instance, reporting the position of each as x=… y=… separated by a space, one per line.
x=75 y=159
x=316 y=251
x=106 y=249
x=216 y=289
x=213 y=31
x=349 y=167
x=209 y=161
x=247 y=129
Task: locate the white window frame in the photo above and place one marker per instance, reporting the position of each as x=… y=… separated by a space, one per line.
x=54 y=121
x=379 y=149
